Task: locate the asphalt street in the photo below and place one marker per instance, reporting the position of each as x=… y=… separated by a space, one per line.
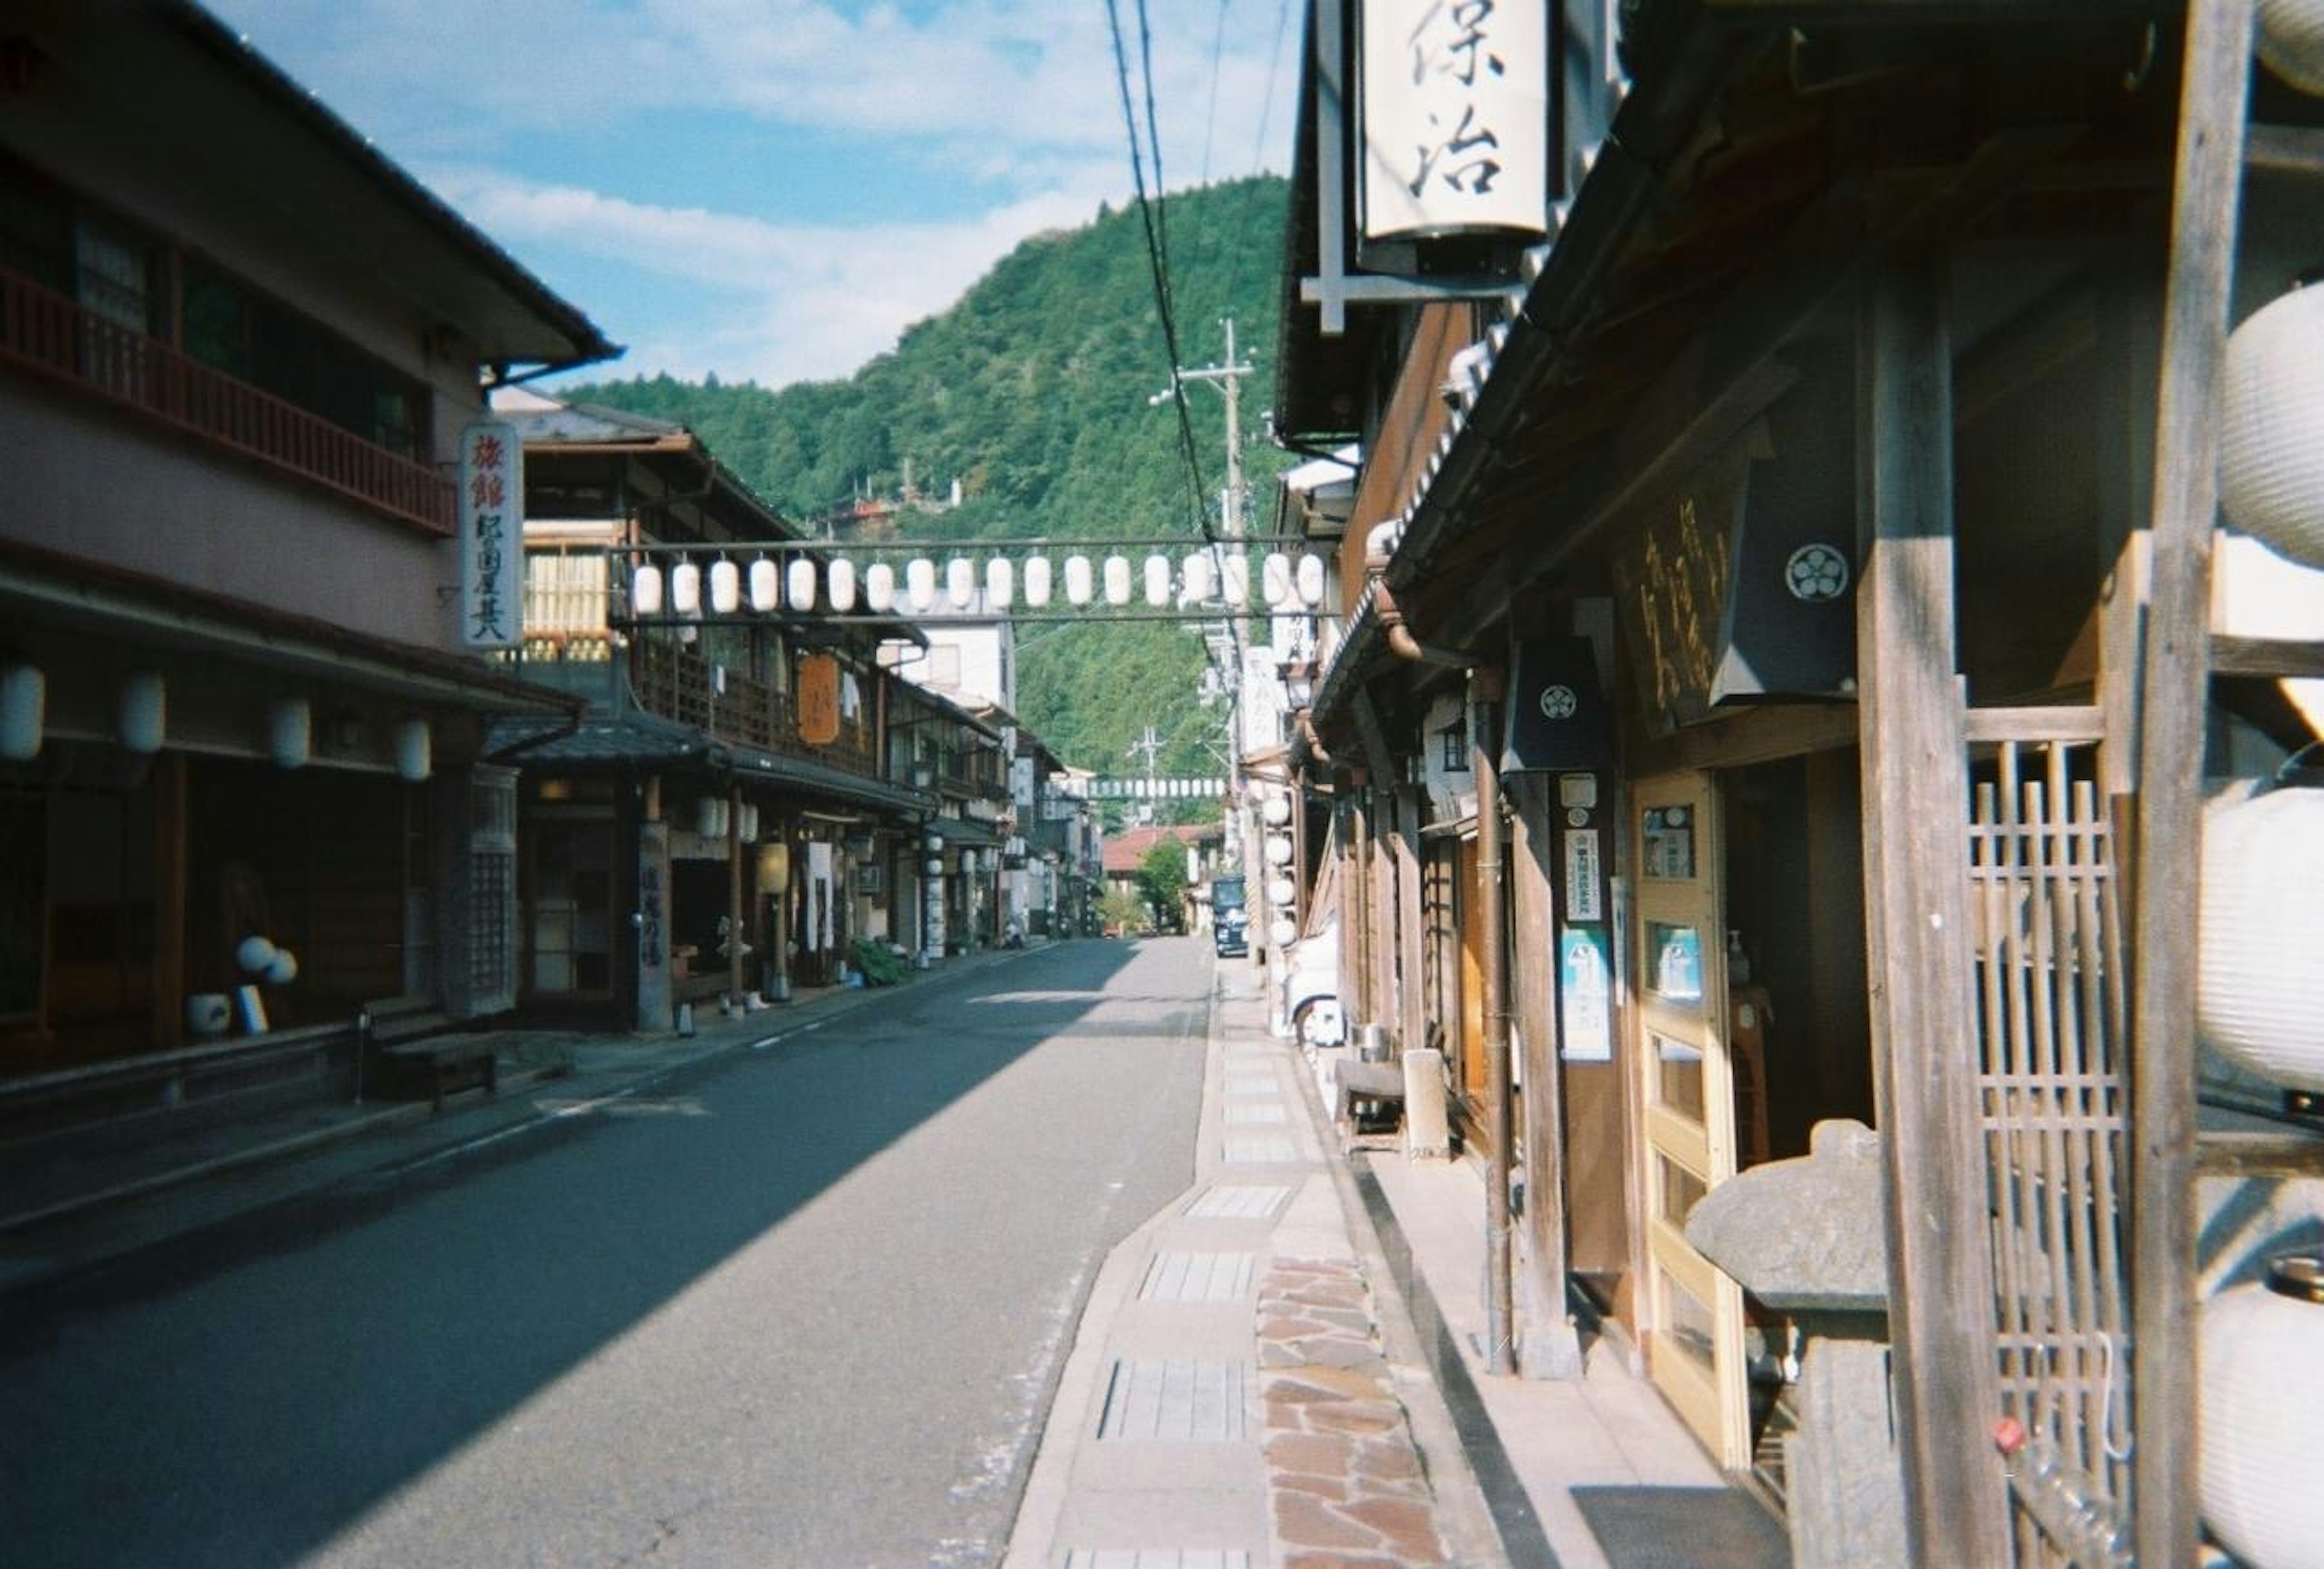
x=805 y=1305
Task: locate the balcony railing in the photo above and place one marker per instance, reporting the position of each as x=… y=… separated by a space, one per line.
x=48 y=333
x=675 y=683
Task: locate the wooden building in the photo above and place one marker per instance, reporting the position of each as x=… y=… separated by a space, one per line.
x=1779 y=686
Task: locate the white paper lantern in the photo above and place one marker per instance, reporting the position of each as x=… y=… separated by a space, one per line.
x=920 y=582
x=1234 y=579
x=1280 y=892
x=1311 y=580
x=1077 y=579
x=23 y=711
x=2261 y=1425
x=840 y=578
x=685 y=588
x=1116 y=580
x=1274 y=579
x=291 y=732
x=880 y=588
x=2272 y=426
x=2260 y=991
x=766 y=587
x=414 y=753
x=798 y=582
x=999 y=582
x=1157 y=581
x=960 y=582
x=645 y=590
x=1278 y=850
x=1197 y=575
x=710 y=817
x=253 y=954
x=282 y=969
x=1281 y=932
x=2292 y=42
x=747 y=822
x=725 y=586
x=1037 y=581
x=144 y=717
x=1277 y=811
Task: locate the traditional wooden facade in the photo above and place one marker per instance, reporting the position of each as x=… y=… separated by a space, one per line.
x=1778 y=645
x=246 y=787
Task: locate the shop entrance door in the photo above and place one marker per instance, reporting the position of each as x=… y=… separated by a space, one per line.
x=1694 y=1336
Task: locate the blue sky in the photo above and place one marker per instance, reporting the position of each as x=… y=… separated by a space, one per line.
x=773 y=189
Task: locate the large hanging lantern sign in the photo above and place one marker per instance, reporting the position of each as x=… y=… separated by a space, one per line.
x=1454 y=119
x=2260 y=992
x=2272 y=426
x=2262 y=1424
x=818 y=700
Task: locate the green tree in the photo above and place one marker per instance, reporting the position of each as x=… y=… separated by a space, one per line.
x=1162 y=881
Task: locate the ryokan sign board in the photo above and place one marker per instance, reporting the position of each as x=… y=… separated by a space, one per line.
x=492 y=536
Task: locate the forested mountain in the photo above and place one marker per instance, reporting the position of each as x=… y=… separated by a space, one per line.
x=1031 y=394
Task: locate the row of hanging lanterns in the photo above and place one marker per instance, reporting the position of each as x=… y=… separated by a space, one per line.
x=141 y=722
x=1288 y=584
x=2260 y=995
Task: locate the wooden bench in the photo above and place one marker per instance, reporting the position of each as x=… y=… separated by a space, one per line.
x=416 y=1042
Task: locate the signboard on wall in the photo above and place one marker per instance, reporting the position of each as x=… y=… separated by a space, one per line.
x=1454 y=122
x=818 y=700
x=492 y=536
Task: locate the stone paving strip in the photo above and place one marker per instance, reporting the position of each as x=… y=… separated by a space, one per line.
x=1346 y=1486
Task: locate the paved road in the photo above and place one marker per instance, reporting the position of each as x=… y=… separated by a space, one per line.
x=803 y=1309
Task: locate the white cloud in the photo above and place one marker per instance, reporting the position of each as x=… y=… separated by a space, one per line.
x=777 y=303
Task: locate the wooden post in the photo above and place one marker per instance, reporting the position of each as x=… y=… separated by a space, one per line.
x=1355 y=912
x=1380 y=857
x=1548 y=1345
x=1924 y=1046
x=1411 y=947
x=1485 y=688
x=735 y=990
x=2173 y=696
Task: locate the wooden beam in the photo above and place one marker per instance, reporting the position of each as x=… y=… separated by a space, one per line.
x=2258 y=656
x=1546 y=1343
x=1924 y=1041
x=2173 y=697
x=2075 y=724
x=1411 y=930
x=1760 y=733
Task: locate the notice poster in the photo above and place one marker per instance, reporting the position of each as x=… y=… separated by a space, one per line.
x=1582 y=879
x=1584 y=996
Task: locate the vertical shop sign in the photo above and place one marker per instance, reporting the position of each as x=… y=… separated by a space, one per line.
x=1454 y=118
x=1582 y=901
x=492 y=536
x=1584 y=996
x=818 y=700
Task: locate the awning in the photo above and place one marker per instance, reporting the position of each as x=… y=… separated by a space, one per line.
x=635 y=740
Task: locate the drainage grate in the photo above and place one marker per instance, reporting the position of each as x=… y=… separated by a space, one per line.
x=1233 y=1203
x=1259 y=1149
x=1197 y=1278
x=1177 y=1402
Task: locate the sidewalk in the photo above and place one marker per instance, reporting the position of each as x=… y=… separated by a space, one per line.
x=70 y=1206
x=1281 y=1369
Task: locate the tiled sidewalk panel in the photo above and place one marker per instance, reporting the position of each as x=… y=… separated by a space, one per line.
x=1234 y=1202
x=1256 y=1112
x=1259 y=1149
x=1197 y=1278
x=1184 y=1402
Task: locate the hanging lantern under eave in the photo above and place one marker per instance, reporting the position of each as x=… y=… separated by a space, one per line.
x=999 y=582
x=144 y=717
x=1282 y=933
x=2260 y=992
x=1309 y=577
x=2261 y=1425
x=1281 y=891
x=1037 y=581
x=798 y=582
x=1278 y=850
x=23 y=711
x=960 y=582
x=2290 y=42
x=920 y=583
x=414 y=753
x=1275 y=580
x=710 y=817
x=685 y=588
x=746 y=823
x=1277 y=811
x=839 y=579
x=880 y=588
x=291 y=732
x=2271 y=426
